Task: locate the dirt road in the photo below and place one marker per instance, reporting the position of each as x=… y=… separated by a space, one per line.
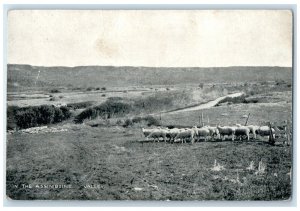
x=206 y=105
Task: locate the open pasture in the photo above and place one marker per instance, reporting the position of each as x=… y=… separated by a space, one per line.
x=112 y=163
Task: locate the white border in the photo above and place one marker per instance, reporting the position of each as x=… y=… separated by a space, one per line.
x=264 y=4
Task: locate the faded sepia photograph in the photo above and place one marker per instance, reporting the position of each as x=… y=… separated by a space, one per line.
x=159 y=105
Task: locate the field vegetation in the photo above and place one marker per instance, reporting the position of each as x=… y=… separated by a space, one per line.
x=124 y=168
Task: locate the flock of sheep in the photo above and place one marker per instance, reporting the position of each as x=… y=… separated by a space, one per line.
x=207 y=132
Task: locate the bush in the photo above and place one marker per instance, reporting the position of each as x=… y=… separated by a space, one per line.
x=119 y=122
x=105 y=110
x=264 y=82
x=54 y=91
x=103 y=88
x=115 y=98
x=251 y=100
x=11 y=122
x=36 y=115
x=152 y=121
x=252 y=92
x=103 y=95
x=161 y=101
x=98 y=88
x=52 y=99
x=80 y=105
x=45 y=114
x=128 y=122
x=26 y=118
x=66 y=112
x=89 y=113
x=58 y=115
x=137 y=119
x=89 y=89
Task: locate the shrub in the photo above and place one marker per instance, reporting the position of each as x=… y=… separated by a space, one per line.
x=58 y=115
x=11 y=112
x=45 y=114
x=54 y=91
x=111 y=108
x=26 y=118
x=98 y=88
x=201 y=85
x=152 y=121
x=119 y=122
x=264 y=82
x=89 y=113
x=52 y=99
x=66 y=112
x=103 y=95
x=251 y=100
x=128 y=122
x=115 y=98
x=252 y=92
x=89 y=89
x=80 y=105
x=105 y=110
x=37 y=115
x=137 y=119
x=103 y=88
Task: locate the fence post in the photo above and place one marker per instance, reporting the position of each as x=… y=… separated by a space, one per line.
x=271 y=138
x=202 y=119
x=247 y=119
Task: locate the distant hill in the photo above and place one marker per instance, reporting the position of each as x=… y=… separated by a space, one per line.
x=109 y=76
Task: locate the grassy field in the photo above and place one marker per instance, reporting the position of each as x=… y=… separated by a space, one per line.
x=120 y=166
x=260 y=114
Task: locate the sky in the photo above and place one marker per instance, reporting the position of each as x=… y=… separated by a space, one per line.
x=154 y=38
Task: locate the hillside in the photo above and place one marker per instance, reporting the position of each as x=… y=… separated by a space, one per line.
x=85 y=76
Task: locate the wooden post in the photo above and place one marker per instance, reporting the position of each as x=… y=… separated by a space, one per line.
x=207 y=120
x=247 y=119
x=202 y=119
x=199 y=121
x=271 y=138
